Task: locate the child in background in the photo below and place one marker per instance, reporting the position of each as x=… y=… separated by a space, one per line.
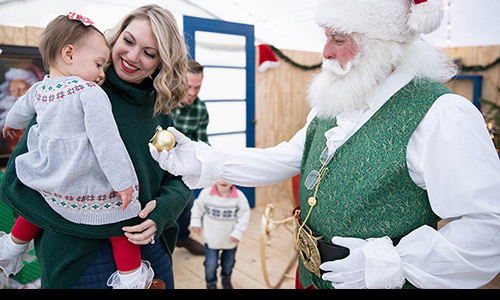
x=221 y=214
x=76 y=158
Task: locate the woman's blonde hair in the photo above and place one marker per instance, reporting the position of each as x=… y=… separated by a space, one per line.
x=171 y=82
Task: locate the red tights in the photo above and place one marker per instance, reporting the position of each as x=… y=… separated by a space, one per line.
x=24 y=230
x=127 y=255
x=298 y=286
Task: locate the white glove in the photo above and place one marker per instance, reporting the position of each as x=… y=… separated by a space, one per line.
x=181 y=160
x=372 y=263
x=347 y=273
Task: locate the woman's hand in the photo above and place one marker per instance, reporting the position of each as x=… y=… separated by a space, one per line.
x=143 y=233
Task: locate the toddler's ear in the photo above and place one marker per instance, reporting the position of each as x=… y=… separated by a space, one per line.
x=67 y=53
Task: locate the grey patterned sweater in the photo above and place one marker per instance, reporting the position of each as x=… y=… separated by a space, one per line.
x=76 y=158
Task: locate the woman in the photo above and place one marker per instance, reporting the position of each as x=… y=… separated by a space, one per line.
x=146 y=79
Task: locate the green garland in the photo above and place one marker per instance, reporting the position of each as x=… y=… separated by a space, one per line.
x=479 y=68
x=288 y=60
x=476 y=68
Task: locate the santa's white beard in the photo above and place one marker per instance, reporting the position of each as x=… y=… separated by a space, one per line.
x=339 y=90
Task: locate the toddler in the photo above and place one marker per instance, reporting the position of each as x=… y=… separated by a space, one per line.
x=223 y=213
x=76 y=158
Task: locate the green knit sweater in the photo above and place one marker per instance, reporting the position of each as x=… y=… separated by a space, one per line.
x=64 y=249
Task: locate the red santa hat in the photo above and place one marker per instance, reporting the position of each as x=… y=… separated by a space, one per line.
x=395 y=20
x=267 y=59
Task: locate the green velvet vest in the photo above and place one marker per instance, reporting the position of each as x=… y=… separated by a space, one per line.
x=367 y=191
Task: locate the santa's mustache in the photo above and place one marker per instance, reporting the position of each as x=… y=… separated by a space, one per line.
x=334 y=66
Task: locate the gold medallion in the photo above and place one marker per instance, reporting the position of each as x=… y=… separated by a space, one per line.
x=305 y=241
x=307 y=245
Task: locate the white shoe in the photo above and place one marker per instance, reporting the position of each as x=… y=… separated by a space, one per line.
x=143 y=281
x=12 y=266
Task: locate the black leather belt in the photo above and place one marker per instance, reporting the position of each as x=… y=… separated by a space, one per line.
x=328 y=251
x=314 y=251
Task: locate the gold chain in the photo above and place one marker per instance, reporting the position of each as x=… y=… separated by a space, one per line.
x=312 y=201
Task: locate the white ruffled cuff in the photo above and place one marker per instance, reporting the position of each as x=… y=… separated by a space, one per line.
x=211 y=167
x=383 y=265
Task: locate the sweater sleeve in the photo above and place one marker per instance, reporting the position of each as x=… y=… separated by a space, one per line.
x=202 y=129
x=198 y=210
x=173 y=197
x=105 y=139
x=243 y=216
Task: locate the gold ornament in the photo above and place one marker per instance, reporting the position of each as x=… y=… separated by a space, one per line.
x=163 y=139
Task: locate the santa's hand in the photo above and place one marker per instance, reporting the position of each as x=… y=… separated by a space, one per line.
x=347 y=273
x=372 y=263
x=181 y=160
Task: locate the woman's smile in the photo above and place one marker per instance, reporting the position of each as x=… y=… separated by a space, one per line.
x=128 y=67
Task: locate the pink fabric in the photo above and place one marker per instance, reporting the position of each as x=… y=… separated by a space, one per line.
x=232 y=194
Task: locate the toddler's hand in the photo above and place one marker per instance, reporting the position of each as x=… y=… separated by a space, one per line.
x=234 y=240
x=9 y=132
x=126 y=196
x=196 y=230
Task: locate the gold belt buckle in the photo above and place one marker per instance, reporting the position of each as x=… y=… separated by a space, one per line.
x=307 y=246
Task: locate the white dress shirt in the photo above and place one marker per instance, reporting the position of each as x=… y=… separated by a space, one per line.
x=450 y=154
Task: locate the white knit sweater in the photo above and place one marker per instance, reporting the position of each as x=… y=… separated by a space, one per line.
x=220 y=217
x=76 y=158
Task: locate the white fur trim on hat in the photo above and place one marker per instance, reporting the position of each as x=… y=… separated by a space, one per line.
x=267 y=59
x=395 y=20
x=427 y=16
x=21 y=74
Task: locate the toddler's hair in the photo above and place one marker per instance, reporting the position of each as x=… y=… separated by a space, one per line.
x=58 y=33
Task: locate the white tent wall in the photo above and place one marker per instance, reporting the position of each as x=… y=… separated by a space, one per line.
x=286 y=24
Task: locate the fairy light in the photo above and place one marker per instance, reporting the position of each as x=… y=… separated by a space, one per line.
x=262 y=22
x=447 y=8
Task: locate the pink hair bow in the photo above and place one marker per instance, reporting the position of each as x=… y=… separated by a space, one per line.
x=74 y=16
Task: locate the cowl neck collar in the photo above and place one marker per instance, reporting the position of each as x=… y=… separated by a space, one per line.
x=137 y=94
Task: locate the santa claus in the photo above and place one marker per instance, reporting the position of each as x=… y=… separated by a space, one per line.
x=386 y=153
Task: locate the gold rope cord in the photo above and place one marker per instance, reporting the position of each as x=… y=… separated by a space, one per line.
x=268 y=224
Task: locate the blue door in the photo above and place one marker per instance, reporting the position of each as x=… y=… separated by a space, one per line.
x=227 y=52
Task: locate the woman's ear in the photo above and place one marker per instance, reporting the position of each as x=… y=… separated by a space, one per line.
x=67 y=53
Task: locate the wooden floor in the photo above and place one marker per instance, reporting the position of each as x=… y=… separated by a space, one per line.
x=189 y=272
